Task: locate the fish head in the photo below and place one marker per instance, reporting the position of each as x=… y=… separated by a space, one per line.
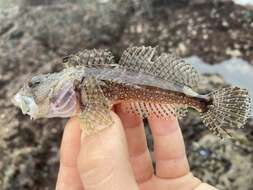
x=48 y=95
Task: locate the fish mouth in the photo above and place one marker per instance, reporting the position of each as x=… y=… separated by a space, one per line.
x=26 y=104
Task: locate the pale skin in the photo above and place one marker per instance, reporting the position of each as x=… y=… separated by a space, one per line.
x=117 y=158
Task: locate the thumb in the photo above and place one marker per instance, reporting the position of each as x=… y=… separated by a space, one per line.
x=103 y=160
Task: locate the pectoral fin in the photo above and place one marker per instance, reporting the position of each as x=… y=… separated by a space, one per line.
x=95 y=112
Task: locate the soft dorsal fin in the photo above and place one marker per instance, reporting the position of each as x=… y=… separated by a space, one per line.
x=90 y=58
x=165 y=66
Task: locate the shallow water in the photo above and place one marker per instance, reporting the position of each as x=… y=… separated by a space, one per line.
x=243 y=2
x=6 y=4
x=235 y=71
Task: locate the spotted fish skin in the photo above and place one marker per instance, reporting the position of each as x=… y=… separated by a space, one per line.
x=144 y=81
x=139 y=93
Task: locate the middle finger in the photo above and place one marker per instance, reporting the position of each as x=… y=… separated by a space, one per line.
x=137 y=145
x=169 y=148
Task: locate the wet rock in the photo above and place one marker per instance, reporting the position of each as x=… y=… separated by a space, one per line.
x=34 y=38
x=182 y=49
x=221 y=162
x=206 y=28
x=233 y=53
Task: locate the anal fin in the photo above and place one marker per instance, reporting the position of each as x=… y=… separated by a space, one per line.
x=147 y=109
x=95 y=114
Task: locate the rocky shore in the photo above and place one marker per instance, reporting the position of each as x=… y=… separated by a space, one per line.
x=34 y=38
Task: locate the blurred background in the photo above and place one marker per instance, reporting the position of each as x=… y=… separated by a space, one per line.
x=216 y=36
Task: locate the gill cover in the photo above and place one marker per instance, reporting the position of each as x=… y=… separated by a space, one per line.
x=64 y=102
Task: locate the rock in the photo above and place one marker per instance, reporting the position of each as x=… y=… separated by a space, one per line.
x=198 y=25
x=182 y=49
x=220 y=163
x=233 y=53
x=34 y=38
x=225 y=24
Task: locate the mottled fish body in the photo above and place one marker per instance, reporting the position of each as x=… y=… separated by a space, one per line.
x=145 y=82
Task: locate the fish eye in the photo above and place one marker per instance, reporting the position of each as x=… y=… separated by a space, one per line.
x=65 y=59
x=33 y=84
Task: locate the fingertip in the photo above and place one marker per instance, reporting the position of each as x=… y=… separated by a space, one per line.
x=116 y=118
x=163 y=126
x=129 y=120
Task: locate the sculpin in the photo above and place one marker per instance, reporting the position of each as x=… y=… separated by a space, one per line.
x=146 y=82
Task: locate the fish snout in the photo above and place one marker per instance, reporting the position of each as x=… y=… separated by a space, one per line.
x=26 y=104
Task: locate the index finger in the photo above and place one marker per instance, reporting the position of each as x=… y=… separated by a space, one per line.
x=169 y=148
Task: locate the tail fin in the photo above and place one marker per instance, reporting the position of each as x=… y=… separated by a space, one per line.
x=230 y=108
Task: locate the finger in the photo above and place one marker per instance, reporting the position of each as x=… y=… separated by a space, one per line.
x=169 y=149
x=103 y=161
x=68 y=176
x=187 y=181
x=137 y=145
x=205 y=186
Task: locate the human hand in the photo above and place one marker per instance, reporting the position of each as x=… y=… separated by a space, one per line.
x=117 y=158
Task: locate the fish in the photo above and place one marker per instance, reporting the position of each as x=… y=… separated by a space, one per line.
x=144 y=81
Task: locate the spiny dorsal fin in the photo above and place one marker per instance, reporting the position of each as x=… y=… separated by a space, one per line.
x=146 y=109
x=90 y=58
x=165 y=66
